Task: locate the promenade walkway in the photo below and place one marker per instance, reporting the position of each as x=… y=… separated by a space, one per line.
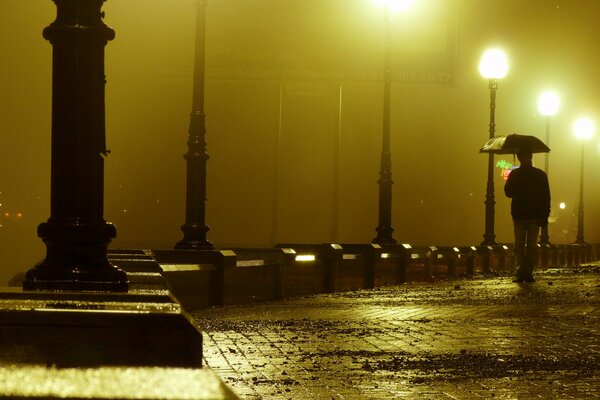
x=472 y=338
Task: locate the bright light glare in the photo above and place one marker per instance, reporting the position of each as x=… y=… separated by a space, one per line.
x=396 y=5
x=583 y=128
x=562 y=206
x=305 y=257
x=493 y=64
x=548 y=103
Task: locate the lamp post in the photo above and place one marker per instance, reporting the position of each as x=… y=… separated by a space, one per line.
x=384 y=228
x=493 y=66
x=76 y=234
x=583 y=129
x=548 y=103
x=195 y=229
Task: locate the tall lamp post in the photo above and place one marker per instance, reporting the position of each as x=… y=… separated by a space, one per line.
x=548 y=104
x=583 y=129
x=384 y=228
x=195 y=228
x=76 y=234
x=493 y=66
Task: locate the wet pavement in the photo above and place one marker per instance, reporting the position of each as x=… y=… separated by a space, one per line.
x=471 y=338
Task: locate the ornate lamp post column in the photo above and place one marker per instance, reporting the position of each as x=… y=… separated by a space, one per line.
x=548 y=104
x=584 y=129
x=195 y=228
x=493 y=66
x=384 y=228
x=76 y=234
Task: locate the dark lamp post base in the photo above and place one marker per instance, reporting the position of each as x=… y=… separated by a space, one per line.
x=194 y=238
x=384 y=237
x=76 y=258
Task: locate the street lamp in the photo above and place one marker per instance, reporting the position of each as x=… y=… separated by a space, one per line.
x=384 y=228
x=583 y=129
x=493 y=66
x=195 y=228
x=548 y=104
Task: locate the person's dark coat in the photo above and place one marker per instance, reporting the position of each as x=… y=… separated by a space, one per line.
x=530 y=192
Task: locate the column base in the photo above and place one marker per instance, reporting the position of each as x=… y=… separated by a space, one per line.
x=384 y=236
x=76 y=259
x=194 y=238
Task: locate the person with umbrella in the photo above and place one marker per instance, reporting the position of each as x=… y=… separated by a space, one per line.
x=529 y=190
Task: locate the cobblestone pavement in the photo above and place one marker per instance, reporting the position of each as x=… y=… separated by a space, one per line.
x=482 y=337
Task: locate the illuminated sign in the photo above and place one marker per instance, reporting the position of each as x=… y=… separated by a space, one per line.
x=506 y=168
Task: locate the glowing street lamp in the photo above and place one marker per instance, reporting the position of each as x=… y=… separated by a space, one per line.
x=548 y=104
x=384 y=228
x=584 y=130
x=493 y=66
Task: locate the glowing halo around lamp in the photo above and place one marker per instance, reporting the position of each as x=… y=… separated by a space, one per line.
x=548 y=103
x=493 y=64
x=583 y=128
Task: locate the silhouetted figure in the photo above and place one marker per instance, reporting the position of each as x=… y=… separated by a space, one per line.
x=529 y=190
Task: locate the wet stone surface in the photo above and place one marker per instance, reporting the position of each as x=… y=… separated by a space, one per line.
x=484 y=337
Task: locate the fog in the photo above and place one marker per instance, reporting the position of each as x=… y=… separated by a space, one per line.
x=294 y=104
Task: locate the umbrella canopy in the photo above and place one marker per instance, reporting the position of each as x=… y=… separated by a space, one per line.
x=514 y=143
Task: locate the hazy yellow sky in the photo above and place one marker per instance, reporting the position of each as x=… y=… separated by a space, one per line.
x=294 y=111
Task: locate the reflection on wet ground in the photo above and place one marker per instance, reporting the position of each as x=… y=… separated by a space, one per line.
x=483 y=337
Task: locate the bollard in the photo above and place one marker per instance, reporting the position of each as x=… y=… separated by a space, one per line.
x=486 y=255
x=431 y=262
x=366 y=257
x=333 y=255
x=390 y=265
x=500 y=255
x=470 y=252
x=553 y=255
x=561 y=255
x=288 y=259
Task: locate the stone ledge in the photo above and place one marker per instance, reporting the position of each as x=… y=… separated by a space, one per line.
x=89 y=329
x=21 y=382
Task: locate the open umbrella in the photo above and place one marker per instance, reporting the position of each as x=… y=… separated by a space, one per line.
x=514 y=143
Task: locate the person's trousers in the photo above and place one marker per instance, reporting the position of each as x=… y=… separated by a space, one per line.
x=526 y=236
